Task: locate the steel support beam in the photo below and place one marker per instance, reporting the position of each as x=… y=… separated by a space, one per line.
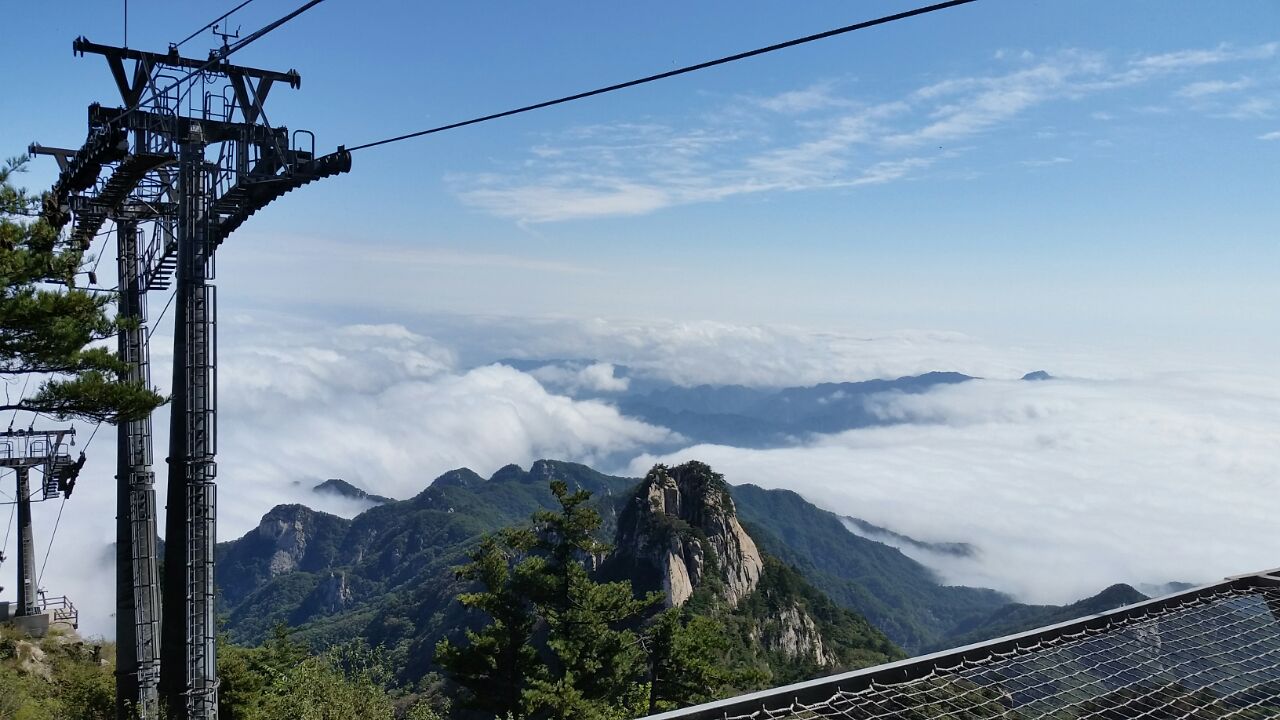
x=172 y=59
x=193 y=446
x=27 y=604
x=137 y=589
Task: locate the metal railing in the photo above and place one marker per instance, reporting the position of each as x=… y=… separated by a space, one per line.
x=877 y=692
x=62 y=609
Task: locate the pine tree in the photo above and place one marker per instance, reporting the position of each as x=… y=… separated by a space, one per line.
x=535 y=582
x=596 y=659
x=498 y=660
x=53 y=330
x=686 y=660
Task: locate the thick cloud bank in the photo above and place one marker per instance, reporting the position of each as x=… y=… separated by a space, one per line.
x=383 y=407
x=378 y=405
x=1065 y=486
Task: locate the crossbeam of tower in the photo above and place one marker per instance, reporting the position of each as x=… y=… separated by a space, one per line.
x=186 y=159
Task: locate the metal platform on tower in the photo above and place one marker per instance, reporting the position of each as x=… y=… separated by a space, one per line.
x=48 y=452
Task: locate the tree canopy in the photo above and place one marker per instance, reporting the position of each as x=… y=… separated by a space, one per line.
x=53 y=329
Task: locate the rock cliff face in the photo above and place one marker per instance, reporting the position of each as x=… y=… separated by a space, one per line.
x=793 y=633
x=681 y=530
x=286 y=529
x=680 y=533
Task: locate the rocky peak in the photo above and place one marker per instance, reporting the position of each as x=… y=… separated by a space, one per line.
x=508 y=473
x=341 y=488
x=681 y=529
x=286 y=527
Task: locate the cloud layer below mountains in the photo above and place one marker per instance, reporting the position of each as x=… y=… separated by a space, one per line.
x=377 y=405
x=1065 y=486
x=1117 y=472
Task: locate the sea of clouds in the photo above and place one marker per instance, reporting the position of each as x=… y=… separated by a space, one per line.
x=1114 y=471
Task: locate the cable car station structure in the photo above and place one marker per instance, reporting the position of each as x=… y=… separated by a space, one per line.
x=186 y=159
x=46 y=451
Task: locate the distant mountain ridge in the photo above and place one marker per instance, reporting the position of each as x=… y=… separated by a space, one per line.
x=738 y=415
x=871 y=531
x=756 y=417
x=1017 y=617
x=342 y=488
x=387 y=574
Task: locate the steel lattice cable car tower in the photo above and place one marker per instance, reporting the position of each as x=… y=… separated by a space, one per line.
x=45 y=450
x=191 y=156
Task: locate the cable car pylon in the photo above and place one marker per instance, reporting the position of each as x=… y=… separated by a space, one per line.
x=177 y=168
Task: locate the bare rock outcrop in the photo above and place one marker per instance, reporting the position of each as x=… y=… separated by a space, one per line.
x=286 y=528
x=793 y=633
x=682 y=527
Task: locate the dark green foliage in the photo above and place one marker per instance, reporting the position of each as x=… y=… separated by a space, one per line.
x=784 y=607
x=396 y=561
x=282 y=680
x=245 y=674
x=686 y=660
x=853 y=641
x=53 y=330
x=497 y=661
x=388 y=577
x=590 y=660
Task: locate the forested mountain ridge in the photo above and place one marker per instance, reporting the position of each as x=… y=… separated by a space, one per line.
x=1018 y=617
x=388 y=575
x=897 y=594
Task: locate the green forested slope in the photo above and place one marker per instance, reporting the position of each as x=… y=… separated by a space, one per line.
x=897 y=594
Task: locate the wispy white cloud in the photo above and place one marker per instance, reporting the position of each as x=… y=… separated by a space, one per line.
x=1274 y=135
x=1080 y=470
x=1045 y=162
x=1193 y=58
x=1213 y=87
x=572 y=378
x=570 y=198
x=696 y=352
x=823 y=137
x=1249 y=109
x=795 y=102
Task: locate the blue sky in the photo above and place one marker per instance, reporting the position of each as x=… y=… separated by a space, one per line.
x=1059 y=171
